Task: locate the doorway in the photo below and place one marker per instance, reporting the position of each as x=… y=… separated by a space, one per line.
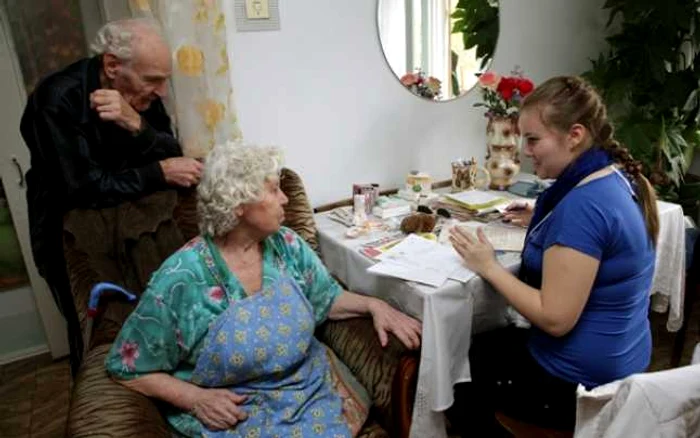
x=37 y=37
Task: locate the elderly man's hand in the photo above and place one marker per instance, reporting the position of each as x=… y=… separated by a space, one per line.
x=218 y=409
x=181 y=171
x=389 y=320
x=111 y=106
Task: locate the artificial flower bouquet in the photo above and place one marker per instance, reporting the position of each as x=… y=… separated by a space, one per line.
x=503 y=94
x=422 y=85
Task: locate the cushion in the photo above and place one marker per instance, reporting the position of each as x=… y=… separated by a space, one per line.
x=356 y=401
x=299 y=216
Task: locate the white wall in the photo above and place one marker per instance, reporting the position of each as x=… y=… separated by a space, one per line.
x=321 y=89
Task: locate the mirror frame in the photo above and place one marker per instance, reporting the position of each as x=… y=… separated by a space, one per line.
x=485 y=63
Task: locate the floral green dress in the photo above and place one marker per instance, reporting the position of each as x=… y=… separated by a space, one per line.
x=179 y=319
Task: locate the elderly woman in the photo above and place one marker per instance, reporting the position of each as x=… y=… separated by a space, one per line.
x=224 y=332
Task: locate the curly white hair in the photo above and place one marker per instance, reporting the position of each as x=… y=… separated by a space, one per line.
x=234 y=174
x=119 y=37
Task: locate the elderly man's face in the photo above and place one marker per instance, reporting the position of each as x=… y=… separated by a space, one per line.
x=145 y=78
x=266 y=215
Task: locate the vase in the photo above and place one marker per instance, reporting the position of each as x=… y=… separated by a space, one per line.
x=503 y=155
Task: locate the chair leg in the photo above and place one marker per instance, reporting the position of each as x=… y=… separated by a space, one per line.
x=679 y=339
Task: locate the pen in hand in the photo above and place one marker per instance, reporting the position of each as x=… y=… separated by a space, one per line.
x=517 y=206
x=517 y=213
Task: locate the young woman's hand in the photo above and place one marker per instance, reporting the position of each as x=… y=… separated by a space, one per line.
x=477 y=251
x=518 y=213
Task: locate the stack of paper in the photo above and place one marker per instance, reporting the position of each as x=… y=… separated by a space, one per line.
x=423 y=261
x=476 y=200
x=388 y=207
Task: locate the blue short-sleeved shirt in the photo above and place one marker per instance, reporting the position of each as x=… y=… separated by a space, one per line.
x=611 y=339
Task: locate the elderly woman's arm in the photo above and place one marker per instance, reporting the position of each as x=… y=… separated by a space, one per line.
x=329 y=300
x=218 y=409
x=386 y=318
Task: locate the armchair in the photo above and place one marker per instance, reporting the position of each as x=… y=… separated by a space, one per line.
x=100 y=406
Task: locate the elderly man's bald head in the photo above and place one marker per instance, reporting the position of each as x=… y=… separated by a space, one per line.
x=126 y=38
x=135 y=60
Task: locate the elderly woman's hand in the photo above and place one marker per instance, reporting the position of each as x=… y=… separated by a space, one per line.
x=389 y=320
x=218 y=409
x=477 y=252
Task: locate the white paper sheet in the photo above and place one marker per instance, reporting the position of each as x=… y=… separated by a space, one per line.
x=475 y=197
x=505 y=238
x=423 y=261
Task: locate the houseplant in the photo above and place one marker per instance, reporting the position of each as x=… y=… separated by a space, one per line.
x=650 y=81
x=477 y=21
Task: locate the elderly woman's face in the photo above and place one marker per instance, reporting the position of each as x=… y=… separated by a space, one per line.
x=267 y=214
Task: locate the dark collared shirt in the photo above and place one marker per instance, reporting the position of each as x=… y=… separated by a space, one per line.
x=78 y=160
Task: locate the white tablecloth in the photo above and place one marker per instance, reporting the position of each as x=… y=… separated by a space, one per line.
x=454 y=312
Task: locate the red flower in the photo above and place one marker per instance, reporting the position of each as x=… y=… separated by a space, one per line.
x=216 y=294
x=525 y=86
x=129 y=351
x=289 y=238
x=506 y=87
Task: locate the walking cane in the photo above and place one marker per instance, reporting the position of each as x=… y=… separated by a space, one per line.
x=93 y=307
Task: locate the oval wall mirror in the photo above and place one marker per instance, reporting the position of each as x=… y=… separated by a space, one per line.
x=437 y=48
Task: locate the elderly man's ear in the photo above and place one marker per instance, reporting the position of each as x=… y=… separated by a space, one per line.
x=111 y=65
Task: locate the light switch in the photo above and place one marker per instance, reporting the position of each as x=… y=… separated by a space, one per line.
x=257 y=9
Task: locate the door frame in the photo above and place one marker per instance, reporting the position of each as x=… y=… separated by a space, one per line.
x=14 y=98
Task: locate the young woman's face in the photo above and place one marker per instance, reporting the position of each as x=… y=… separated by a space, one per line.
x=551 y=150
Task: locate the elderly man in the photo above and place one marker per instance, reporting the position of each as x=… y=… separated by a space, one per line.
x=98 y=135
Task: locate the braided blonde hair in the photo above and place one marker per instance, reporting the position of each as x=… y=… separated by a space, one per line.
x=567 y=100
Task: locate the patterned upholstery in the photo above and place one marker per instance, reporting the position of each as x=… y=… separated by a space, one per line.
x=134 y=239
x=298 y=213
x=100 y=406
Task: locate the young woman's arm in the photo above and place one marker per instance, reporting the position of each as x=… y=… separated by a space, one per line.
x=567 y=280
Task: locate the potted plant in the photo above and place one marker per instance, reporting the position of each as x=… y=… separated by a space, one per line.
x=650 y=81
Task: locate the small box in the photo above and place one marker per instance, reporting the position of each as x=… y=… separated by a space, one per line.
x=419 y=182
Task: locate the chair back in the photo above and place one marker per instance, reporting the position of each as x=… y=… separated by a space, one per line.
x=663 y=403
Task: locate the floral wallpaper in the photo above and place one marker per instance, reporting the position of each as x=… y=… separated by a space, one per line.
x=47 y=34
x=205 y=111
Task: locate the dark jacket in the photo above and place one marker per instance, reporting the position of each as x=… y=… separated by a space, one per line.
x=78 y=160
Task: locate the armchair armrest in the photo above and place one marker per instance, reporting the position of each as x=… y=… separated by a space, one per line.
x=388 y=374
x=101 y=406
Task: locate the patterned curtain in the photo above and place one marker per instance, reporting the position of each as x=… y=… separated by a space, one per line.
x=202 y=97
x=47 y=35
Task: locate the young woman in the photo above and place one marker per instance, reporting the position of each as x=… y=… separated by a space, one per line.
x=587 y=268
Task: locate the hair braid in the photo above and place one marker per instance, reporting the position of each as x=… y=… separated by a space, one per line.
x=567 y=100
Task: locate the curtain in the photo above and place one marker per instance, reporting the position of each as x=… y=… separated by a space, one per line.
x=202 y=97
x=47 y=36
